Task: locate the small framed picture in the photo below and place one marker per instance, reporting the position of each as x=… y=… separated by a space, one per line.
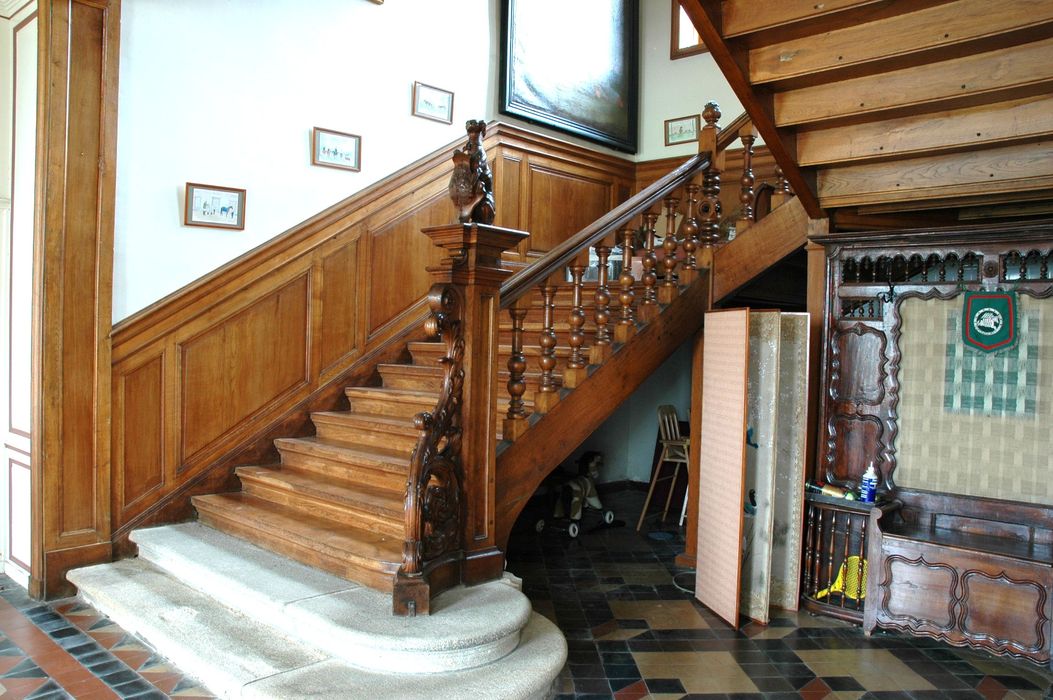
x=432 y=103
x=218 y=207
x=681 y=130
x=335 y=149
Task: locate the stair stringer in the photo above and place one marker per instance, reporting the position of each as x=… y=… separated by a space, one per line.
x=784 y=230
x=526 y=462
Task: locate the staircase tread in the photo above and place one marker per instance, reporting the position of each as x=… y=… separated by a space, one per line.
x=329 y=448
x=317 y=533
x=358 y=417
x=428 y=370
x=327 y=488
x=392 y=392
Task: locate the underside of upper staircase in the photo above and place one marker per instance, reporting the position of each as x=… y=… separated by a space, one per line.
x=887 y=114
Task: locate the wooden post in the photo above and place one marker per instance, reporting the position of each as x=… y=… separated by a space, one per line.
x=782 y=192
x=649 y=304
x=577 y=364
x=709 y=213
x=626 y=326
x=688 y=234
x=600 y=350
x=669 y=289
x=516 y=422
x=547 y=393
x=748 y=134
x=473 y=267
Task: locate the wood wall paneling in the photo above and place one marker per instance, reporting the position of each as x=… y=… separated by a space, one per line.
x=399 y=256
x=315 y=307
x=337 y=327
x=140 y=444
x=561 y=203
x=72 y=306
x=241 y=364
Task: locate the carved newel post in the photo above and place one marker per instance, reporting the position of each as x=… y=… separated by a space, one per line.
x=457 y=444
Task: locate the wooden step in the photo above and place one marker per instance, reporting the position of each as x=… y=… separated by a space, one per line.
x=333 y=499
x=402 y=403
x=356 y=554
x=382 y=468
x=429 y=354
x=414 y=377
x=367 y=430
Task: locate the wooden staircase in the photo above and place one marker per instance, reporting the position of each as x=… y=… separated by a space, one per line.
x=895 y=114
x=406 y=491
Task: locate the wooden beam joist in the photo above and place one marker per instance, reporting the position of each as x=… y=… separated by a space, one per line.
x=928 y=34
x=747 y=16
x=1030 y=118
x=734 y=63
x=1016 y=168
x=984 y=78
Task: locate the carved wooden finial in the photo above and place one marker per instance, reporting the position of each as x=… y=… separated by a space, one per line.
x=471 y=185
x=711 y=113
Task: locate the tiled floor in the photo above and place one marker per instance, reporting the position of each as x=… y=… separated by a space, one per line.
x=67 y=649
x=634 y=634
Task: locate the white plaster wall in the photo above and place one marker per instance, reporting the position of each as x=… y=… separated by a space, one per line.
x=627 y=437
x=225 y=92
x=670 y=89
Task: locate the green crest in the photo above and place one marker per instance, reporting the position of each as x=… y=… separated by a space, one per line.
x=989 y=320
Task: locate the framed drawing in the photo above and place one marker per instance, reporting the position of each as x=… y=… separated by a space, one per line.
x=432 y=103
x=685 y=40
x=218 y=207
x=593 y=96
x=681 y=130
x=335 y=149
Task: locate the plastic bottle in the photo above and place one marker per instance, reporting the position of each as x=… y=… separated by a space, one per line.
x=868 y=485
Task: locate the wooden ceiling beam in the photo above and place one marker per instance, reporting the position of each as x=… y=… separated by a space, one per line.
x=1007 y=73
x=733 y=61
x=922 y=36
x=1015 y=121
x=749 y=16
x=1016 y=168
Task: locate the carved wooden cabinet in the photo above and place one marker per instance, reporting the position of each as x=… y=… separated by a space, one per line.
x=868 y=277
x=968 y=571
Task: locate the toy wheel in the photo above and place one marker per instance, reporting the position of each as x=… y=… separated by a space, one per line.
x=608 y=516
x=572 y=530
x=539 y=526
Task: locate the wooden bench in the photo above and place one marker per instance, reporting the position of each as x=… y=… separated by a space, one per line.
x=969 y=571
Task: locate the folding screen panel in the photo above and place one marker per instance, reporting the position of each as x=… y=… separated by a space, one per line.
x=790 y=461
x=722 y=470
x=761 y=421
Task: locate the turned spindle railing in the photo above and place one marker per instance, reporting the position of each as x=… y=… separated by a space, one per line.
x=449 y=494
x=688 y=198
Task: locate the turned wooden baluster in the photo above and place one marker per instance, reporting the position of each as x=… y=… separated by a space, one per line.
x=669 y=289
x=516 y=423
x=548 y=393
x=688 y=235
x=601 y=348
x=782 y=192
x=577 y=363
x=649 y=303
x=709 y=211
x=747 y=196
x=626 y=327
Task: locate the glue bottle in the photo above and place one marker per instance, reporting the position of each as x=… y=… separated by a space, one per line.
x=868 y=485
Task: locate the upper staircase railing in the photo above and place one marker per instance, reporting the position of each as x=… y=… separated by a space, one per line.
x=474 y=276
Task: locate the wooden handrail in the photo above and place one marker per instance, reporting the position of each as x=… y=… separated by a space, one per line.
x=529 y=277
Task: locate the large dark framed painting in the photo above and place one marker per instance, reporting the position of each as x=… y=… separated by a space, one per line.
x=573 y=66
